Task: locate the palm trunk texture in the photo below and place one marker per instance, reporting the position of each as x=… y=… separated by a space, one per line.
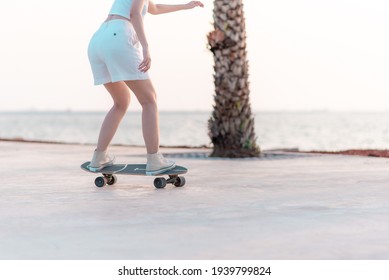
x=231 y=126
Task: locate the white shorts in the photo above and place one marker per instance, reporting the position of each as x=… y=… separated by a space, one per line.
x=115 y=53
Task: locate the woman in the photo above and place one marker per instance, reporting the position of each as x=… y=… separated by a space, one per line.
x=120 y=58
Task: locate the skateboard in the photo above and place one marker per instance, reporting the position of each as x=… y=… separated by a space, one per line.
x=109 y=174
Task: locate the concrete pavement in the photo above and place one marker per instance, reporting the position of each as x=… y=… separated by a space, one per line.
x=283 y=206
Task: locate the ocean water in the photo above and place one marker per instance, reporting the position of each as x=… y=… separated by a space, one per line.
x=329 y=131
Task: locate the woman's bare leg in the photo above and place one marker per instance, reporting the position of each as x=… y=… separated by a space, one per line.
x=121 y=98
x=145 y=93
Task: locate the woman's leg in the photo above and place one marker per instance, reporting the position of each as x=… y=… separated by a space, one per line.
x=121 y=98
x=145 y=93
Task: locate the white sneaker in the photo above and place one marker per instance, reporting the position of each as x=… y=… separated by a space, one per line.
x=100 y=160
x=157 y=164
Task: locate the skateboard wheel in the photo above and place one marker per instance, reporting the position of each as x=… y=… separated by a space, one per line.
x=100 y=182
x=112 y=180
x=160 y=183
x=180 y=181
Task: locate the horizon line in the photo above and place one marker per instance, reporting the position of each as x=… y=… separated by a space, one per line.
x=200 y=111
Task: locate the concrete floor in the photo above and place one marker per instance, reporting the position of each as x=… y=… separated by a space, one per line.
x=283 y=206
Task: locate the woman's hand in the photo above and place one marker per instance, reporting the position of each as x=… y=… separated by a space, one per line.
x=193 y=4
x=146 y=63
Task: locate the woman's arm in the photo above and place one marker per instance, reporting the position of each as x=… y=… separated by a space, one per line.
x=157 y=9
x=137 y=22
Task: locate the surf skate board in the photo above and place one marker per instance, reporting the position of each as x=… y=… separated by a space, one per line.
x=109 y=174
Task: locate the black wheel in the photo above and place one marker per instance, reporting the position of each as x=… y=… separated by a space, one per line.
x=180 y=181
x=112 y=180
x=100 y=182
x=160 y=183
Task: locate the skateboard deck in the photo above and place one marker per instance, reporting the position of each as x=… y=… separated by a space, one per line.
x=109 y=174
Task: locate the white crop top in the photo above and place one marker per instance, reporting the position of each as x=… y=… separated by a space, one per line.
x=123 y=8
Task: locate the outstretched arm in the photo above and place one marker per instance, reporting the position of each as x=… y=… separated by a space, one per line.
x=157 y=9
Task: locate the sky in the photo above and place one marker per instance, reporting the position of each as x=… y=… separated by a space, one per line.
x=303 y=55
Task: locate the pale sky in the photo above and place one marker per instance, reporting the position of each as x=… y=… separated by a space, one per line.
x=303 y=55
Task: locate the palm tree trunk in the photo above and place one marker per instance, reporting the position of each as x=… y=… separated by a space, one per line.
x=231 y=126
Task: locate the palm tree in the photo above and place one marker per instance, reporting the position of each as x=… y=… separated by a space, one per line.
x=231 y=126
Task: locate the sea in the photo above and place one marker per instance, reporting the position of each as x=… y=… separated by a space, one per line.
x=305 y=131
